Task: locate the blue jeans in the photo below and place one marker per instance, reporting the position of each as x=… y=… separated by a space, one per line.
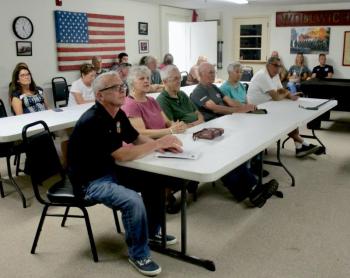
x=107 y=191
x=240 y=182
x=293 y=87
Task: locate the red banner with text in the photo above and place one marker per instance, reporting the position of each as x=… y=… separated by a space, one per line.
x=313 y=18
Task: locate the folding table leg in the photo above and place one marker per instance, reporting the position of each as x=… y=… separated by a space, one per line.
x=181 y=255
x=279 y=163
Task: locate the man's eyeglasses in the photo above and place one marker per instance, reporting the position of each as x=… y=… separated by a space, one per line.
x=117 y=88
x=276 y=65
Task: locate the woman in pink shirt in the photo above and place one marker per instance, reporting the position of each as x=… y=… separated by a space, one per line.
x=144 y=112
x=148 y=119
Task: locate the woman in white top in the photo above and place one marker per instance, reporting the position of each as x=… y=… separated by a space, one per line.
x=81 y=90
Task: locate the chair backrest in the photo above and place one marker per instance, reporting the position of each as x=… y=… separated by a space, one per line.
x=184 y=76
x=60 y=90
x=43 y=161
x=247 y=73
x=246 y=86
x=3 y=112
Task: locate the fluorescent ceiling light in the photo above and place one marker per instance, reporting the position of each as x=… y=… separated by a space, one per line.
x=238 y=1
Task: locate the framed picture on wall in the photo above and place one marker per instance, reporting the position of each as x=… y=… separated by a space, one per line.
x=143 y=46
x=24 y=48
x=143 y=28
x=346 y=50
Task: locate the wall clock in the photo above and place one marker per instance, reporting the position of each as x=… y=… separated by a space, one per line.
x=23 y=27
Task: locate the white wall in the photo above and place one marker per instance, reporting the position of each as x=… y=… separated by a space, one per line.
x=43 y=62
x=280 y=36
x=189 y=40
x=168 y=14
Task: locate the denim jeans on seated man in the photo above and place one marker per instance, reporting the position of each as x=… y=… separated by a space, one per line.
x=240 y=182
x=106 y=190
x=121 y=193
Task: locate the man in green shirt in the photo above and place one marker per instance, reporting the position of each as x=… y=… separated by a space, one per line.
x=176 y=104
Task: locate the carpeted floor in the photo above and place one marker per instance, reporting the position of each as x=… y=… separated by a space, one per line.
x=304 y=235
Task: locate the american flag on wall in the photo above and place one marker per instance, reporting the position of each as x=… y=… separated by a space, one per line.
x=80 y=36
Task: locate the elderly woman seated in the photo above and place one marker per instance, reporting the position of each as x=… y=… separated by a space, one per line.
x=176 y=105
x=147 y=117
x=156 y=81
x=144 y=112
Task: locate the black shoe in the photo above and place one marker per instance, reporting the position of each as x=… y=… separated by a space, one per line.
x=172 y=207
x=306 y=150
x=321 y=150
x=192 y=187
x=261 y=193
x=157 y=239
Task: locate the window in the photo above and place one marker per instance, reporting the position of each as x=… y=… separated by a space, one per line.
x=250 y=39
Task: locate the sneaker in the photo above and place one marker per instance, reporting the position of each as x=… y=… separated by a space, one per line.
x=261 y=193
x=306 y=150
x=321 y=150
x=157 y=239
x=146 y=266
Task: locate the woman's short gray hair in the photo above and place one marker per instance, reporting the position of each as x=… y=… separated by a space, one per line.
x=233 y=66
x=149 y=59
x=166 y=71
x=135 y=72
x=99 y=82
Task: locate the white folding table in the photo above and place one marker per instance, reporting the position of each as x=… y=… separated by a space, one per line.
x=246 y=135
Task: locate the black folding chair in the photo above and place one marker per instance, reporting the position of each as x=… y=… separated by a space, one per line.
x=184 y=76
x=46 y=171
x=7 y=150
x=60 y=91
x=247 y=73
x=246 y=86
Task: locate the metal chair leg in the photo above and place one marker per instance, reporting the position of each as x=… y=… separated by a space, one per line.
x=17 y=163
x=284 y=142
x=2 y=194
x=15 y=185
x=91 y=237
x=116 y=220
x=37 y=235
x=63 y=223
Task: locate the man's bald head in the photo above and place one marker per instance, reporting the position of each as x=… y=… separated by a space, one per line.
x=206 y=73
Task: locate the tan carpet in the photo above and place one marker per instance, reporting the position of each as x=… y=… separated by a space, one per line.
x=306 y=234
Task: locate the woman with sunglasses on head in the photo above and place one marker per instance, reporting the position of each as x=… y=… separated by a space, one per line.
x=26 y=97
x=81 y=90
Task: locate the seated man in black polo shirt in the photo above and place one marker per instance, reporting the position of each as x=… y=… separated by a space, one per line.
x=322 y=70
x=95 y=144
